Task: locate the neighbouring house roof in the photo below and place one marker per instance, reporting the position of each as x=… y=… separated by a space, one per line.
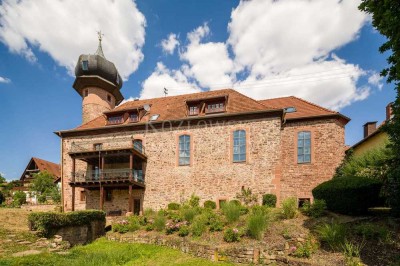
x=175 y=107
x=43 y=165
x=378 y=131
x=304 y=109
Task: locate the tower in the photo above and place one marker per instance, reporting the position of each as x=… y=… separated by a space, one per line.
x=98 y=82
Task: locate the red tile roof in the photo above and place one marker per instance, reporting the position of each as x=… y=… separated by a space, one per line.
x=304 y=109
x=175 y=108
x=50 y=167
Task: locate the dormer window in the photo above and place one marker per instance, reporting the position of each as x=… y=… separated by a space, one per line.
x=116 y=119
x=85 y=65
x=193 y=110
x=215 y=107
x=133 y=117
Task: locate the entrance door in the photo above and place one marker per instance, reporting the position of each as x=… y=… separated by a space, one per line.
x=136 y=206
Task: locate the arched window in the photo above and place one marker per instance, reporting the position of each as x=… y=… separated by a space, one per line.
x=239 y=146
x=304 y=147
x=184 y=150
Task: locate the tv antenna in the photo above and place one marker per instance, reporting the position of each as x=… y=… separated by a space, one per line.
x=165 y=92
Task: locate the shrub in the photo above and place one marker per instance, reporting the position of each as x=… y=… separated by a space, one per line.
x=121 y=226
x=149 y=212
x=172 y=227
x=256 y=225
x=209 y=204
x=316 y=209
x=149 y=227
x=332 y=234
x=236 y=202
x=134 y=223
x=199 y=225
x=349 y=195
x=352 y=253
x=289 y=208
x=372 y=231
x=19 y=198
x=304 y=250
x=47 y=222
x=246 y=195
x=2 y=197
x=231 y=211
x=214 y=222
x=184 y=231
x=231 y=235
x=42 y=198
x=269 y=200
x=159 y=222
x=173 y=206
x=188 y=213
x=194 y=201
x=175 y=216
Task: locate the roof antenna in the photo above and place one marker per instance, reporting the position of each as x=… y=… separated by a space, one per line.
x=100 y=48
x=165 y=92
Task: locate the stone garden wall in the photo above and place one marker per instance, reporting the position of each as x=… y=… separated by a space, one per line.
x=83 y=234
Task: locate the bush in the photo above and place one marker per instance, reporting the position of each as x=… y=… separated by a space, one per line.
x=149 y=212
x=289 y=208
x=2 y=197
x=199 y=225
x=19 y=198
x=173 y=206
x=304 y=250
x=231 y=211
x=231 y=235
x=172 y=227
x=134 y=223
x=332 y=234
x=47 y=222
x=269 y=200
x=315 y=210
x=194 y=201
x=349 y=195
x=121 y=227
x=236 y=202
x=256 y=225
x=246 y=195
x=184 y=231
x=352 y=253
x=149 y=227
x=188 y=213
x=372 y=231
x=209 y=204
x=214 y=222
x=159 y=222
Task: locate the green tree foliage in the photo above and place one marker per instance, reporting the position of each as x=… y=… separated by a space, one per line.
x=2 y=197
x=43 y=186
x=2 y=179
x=19 y=198
x=385 y=18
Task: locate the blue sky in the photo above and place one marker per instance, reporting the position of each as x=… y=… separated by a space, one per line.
x=262 y=48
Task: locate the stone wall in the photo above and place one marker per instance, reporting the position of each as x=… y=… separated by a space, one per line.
x=327 y=152
x=271 y=165
x=236 y=254
x=84 y=234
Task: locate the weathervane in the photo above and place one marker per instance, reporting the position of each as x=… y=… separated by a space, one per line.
x=100 y=48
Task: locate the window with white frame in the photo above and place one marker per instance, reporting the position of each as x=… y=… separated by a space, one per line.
x=304 y=147
x=239 y=146
x=184 y=150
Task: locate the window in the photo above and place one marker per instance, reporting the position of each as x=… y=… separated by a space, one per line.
x=239 y=146
x=108 y=195
x=137 y=145
x=193 y=110
x=83 y=195
x=117 y=80
x=133 y=117
x=184 y=150
x=86 y=93
x=215 y=107
x=97 y=146
x=304 y=147
x=108 y=97
x=115 y=119
x=85 y=65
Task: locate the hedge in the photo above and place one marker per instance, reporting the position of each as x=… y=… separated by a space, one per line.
x=46 y=223
x=173 y=206
x=350 y=195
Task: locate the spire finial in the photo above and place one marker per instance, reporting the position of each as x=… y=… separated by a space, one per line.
x=100 y=48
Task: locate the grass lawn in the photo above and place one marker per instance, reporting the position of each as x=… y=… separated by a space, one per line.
x=104 y=252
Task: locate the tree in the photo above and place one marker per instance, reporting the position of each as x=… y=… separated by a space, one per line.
x=386 y=19
x=2 y=179
x=19 y=198
x=43 y=186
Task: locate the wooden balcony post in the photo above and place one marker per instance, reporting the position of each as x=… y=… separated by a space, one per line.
x=102 y=167
x=131 y=167
x=73 y=199
x=73 y=170
x=130 y=208
x=101 y=197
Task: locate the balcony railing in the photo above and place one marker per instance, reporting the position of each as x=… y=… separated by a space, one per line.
x=90 y=146
x=109 y=174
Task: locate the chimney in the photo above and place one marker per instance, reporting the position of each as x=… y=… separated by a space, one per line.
x=369 y=128
x=389 y=112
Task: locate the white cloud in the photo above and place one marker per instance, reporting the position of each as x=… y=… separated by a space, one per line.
x=282 y=48
x=175 y=81
x=209 y=62
x=4 y=80
x=376 y=80
x=66 y=28
x=168 y=45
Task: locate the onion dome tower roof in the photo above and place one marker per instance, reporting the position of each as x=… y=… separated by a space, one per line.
x=96 y=71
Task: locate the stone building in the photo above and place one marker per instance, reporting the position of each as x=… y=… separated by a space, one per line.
x=147 y=153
